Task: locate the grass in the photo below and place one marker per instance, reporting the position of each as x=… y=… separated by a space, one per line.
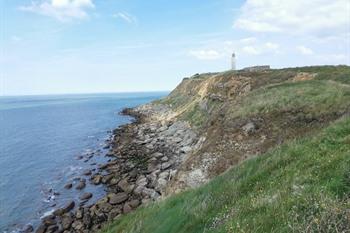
x=302 y=186
x=315 y=97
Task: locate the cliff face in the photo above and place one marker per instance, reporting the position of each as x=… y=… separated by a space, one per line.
x=264 y=151
x=238 y=114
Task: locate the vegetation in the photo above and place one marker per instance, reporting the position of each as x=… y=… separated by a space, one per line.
x=302 y=186
x=315 y=97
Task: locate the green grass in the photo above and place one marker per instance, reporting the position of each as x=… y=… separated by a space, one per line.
x=315 y=97
x=302 y=186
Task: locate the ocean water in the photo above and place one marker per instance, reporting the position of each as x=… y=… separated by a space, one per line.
x=40 y=140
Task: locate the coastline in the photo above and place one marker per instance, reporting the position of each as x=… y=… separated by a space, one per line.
x=144 y=156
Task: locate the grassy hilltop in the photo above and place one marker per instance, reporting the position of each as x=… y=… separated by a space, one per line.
x=281 y=143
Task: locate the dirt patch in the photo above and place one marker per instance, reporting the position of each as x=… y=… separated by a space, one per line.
x=303 y=76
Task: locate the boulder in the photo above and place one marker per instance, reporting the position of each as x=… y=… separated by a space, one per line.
x=79 y=213
x=80 y=185
x=68 y=186
x=77 y=225
x=52 y=229
x=127 y=208
x=165 y=165
x=97 y=179
x=117 y=198
x=85 y=196
x=67 y=221
x=125 y=185
x=87 y=172
x=134 y=203
x=249 y=128
x=65 y=209
x=41 y=229
x=27 y=229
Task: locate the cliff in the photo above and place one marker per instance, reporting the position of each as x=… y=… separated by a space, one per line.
x=268 y=152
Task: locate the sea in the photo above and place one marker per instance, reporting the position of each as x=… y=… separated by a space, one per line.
x=42 y=141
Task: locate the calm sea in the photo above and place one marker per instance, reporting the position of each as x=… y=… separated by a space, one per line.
x=40 y=140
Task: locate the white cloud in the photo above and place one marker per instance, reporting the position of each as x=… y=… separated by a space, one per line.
x=126 y=17
x=62 y=10
x=260 y=48
x=315 y=17
x=251 y=50
x=304 y=50
x=248 y=40
x=272 y=46
x=205 y=54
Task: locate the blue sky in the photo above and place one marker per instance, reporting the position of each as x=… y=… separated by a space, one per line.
x=88 y=46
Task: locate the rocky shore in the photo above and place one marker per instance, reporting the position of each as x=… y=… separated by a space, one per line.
x=144 y=157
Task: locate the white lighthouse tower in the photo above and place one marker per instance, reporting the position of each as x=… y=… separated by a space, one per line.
x=233 y=61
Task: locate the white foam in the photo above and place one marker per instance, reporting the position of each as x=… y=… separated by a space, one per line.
x=47 y=213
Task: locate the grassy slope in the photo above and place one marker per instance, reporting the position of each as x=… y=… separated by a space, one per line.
x=302 y=185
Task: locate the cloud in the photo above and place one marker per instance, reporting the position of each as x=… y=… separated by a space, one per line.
x=304 y=50
x=251 y=50
x=126 y=17
x=316 y=17
x=260 y=48
x=62 y=10
x=248 y=40
x=205 y=54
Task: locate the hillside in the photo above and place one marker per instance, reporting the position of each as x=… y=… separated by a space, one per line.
x=272 y=154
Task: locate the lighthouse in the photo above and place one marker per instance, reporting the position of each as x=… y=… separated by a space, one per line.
x=233 y=61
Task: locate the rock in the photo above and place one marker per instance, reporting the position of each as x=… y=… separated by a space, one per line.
x=106 y=178
x=41 y=229
x=157 y=155
x=66 y=208
x=164 y=159
x=249 y=128
x=134 y=203
x=77 y=225
x=141 y=181
x=176 y=140
x=125 y=186
x=147 y=192
x=79 y=213
x=164 y=175
x=165 y=165
x=127 y=208
x=97 y=179
x=87 y=172
x=186 y=149
x=49 y=220
x=105 y=207
x=68 y=186
x=27 y=229
x=85 y=196
x=66 y=222
x=80 y=185
x=161 y=183
x=133 y=173
x=87 y=220
x=114 y=213
x=117 y=198
x=52 y=229
x=113 y=181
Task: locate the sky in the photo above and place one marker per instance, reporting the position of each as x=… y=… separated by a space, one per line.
x=93 y=46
